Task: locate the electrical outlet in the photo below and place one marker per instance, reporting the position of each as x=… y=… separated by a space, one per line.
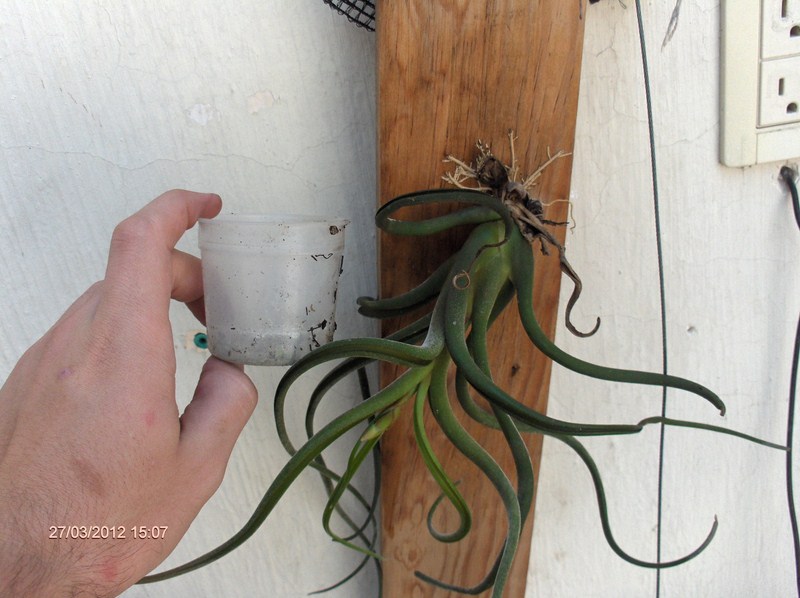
x=780 y=28
x=759 y=81
x=779 y=96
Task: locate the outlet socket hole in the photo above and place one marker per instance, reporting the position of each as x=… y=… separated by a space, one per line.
x=780 y=86
x=791 y=108
x=784 y=8
x=794 y=31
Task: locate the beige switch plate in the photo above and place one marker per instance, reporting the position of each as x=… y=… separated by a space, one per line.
x=747 y=67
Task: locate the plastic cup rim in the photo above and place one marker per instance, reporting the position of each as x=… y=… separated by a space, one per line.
x=289 y=219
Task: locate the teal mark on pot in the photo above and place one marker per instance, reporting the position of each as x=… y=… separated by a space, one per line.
x=201 y=340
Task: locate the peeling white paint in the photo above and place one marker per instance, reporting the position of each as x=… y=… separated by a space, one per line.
x=260 y=101
x=202 y=114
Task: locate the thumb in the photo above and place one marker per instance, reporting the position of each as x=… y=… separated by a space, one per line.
x=210 y=425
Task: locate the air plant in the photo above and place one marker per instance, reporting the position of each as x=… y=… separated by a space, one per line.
x=464 y=295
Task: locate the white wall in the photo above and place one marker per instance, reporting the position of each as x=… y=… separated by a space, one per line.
x=271 y=104
x=730 y=251
x=104 y=106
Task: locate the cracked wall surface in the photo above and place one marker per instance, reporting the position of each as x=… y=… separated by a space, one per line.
x=731 y=274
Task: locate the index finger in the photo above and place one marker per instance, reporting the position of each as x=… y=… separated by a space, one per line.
x=139 y=272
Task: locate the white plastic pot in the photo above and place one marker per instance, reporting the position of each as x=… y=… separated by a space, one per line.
x=270 y=285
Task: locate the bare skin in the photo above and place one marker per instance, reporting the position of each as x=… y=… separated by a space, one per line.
x=90 y=433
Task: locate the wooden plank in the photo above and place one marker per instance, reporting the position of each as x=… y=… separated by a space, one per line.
x=452 y=72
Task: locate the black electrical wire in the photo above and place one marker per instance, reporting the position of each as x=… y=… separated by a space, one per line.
x=788 y=175
x=661 y=283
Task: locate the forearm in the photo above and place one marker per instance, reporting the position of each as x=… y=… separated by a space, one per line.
x=35 y=561
x=25 y=567
x=56 y=572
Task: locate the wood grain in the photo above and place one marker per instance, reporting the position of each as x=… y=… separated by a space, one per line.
x=452 y=72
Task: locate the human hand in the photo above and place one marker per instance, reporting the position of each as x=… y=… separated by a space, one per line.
x=91 y=441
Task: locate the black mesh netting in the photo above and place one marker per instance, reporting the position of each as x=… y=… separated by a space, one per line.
x=360 y=12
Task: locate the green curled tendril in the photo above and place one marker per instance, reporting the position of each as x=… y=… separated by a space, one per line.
x=464 y=295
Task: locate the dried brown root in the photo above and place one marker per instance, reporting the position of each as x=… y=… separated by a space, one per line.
x=490 y=175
